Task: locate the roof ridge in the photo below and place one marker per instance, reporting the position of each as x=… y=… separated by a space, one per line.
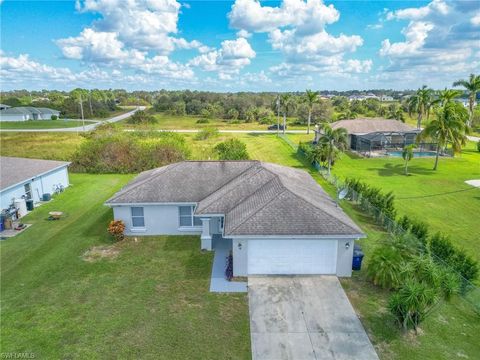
x=135 y=185
x=316 y=207
x=259 y=209
x=253 y=167
x=254 y=162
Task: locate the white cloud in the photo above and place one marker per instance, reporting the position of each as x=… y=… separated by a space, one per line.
x=415 y=35
x=230 y=58
x=475 y=20
x=435 y=7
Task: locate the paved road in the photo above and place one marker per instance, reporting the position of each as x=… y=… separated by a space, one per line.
x=304 y=317
x=88 y=127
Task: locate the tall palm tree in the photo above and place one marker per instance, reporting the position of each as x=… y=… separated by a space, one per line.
x=472 y=86
x=335 y=142
x=449 y=127
x=310 y=98
x=420 y=103
x=447 y=95
x=287 y=103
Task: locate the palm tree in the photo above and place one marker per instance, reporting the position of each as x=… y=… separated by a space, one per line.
x=334 y=140
x=420 y=103
x=407 y=155
x=472 y=86
x=448 y=128
x=286 y=101
x=310 y=98
x=447 y=95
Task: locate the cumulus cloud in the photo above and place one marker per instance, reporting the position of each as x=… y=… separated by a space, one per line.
x=297 y=28
x=232 y=56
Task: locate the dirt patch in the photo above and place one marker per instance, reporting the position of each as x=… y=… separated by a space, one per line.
x=97 y=253
x=240 y=279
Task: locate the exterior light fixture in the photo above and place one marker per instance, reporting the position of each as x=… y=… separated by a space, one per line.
x=347 y=245
x=239 y=246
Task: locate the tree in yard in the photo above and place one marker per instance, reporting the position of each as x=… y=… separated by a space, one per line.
x=232 y=149
x=448 y=95
x=420 y=103
x=335 y=142
x=449 y=127
x=472 y=86
x=287 y=103
x=407 y=155
x=310 y=98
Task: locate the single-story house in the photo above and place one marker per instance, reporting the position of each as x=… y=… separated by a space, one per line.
x=367 y=134
x=30 y=178
x=24 y=113
x=3 y=106
x=278 y=220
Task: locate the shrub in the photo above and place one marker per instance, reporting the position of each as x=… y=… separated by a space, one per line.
x=411 y=302
x=203 y=121
x=385 y=267
x=142 y=117
x=232 y=149
x=420 y=230
x=112 y=152
x=116 y=228
x=478 y=145
x=53 y=117
x=207 y=133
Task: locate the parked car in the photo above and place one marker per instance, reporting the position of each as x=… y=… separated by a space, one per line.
x=274 y=127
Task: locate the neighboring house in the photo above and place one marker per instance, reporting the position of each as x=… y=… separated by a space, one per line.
x=465 y=102
x=374 y=133
x=3 y=106
x=278 y=219
x=24 y=113
x=386 y=98
x=30 y=178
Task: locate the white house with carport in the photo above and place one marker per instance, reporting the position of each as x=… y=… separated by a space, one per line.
x=30 y=178
x=276 y=219
x=25 y=113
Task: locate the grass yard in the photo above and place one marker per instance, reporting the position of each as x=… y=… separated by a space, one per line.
x=189 y=122
x=40 y=124
x=441 y=198
x=151 y=301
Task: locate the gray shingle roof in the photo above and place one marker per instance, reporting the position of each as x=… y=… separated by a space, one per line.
x=15 y=170
x=365 y=126
x=257 y=198
x=27 y=110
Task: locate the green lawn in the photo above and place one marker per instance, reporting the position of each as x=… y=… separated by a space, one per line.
x=41 y=124
x=170 y=122
x=152 y=301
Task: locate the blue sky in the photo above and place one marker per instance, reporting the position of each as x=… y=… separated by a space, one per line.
x=240 y=45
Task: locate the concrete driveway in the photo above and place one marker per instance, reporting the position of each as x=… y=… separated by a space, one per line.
x=304 y=317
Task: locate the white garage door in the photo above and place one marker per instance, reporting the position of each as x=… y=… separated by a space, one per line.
x=292 y=256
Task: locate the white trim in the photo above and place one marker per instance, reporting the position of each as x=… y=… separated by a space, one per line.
x=151 y=204
x=138 y=229
x=273 y=237
x=189 y=228
x=35 y=177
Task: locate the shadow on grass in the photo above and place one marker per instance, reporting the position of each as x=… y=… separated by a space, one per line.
x=390 y=169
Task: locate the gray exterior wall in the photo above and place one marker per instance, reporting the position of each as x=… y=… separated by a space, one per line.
x=40 y=185
x=344 y=257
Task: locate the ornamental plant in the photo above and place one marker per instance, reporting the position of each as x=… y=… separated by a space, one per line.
x=116 y=228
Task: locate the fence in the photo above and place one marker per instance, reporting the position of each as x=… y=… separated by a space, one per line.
x=470 y=293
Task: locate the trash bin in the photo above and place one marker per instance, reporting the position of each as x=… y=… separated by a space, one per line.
x=46 y=197
x=29 y=205
x=357 y=258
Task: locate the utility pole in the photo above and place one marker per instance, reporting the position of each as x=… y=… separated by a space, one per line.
x=278 y=114
x=81 y=112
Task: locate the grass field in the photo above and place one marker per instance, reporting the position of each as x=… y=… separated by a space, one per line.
x=169 y=122
x=449 y=331
x=152 y=301
x=40 y=124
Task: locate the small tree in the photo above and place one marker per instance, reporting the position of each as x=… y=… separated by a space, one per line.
x=116 y=228
x=53 y=117
x=232 y=149
x=407 y=155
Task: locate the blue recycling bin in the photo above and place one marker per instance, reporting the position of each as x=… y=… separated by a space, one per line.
x=357 y=259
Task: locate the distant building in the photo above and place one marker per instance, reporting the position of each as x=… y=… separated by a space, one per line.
x=363 y=97
x=386 y=98
x=3 y=106
x=24 y=113
x=465 y=102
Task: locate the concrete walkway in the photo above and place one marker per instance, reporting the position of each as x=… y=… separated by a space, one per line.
x=304 y=317
x=88 y=127
x=218 y=282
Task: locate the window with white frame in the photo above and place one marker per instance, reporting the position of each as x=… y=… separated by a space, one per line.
x=138 y=220
x=186 y=218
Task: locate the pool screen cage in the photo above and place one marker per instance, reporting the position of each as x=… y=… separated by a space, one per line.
x=387 y=141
